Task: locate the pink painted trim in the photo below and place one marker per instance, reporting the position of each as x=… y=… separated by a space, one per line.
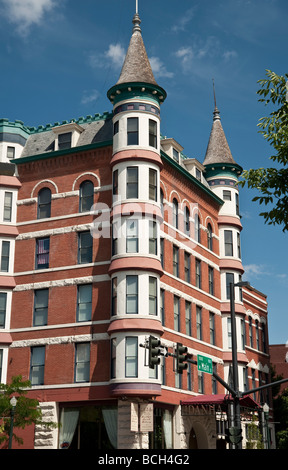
x=231 y=264
x=7 y=282
x=136 y=154
x=10 y=181
x=136 y=388
x=8 y=230
x=5 y=338
x=136 y=263
x=241 y=357
x=229 y=220
x=239 y=308
x=138 y=324
x=137 y=208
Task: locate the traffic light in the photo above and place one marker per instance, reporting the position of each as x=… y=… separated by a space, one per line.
x=154 y=351
x=234 y=435
x=181 y=357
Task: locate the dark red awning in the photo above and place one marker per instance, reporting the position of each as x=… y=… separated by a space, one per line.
x=220 y=399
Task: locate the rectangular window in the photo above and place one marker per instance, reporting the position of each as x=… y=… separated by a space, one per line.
x=187 y=267
x=113 y=359
x=116 y=127
x=64 y=140
x=176 y=261
x=237 y=203
x=152 y=295
x=115 y=229
x=40 y=316
x=114 y=297
x=229 y=333
x=3 y=305
x=42 y=253
x=243 y=334
x=10 y=152
x=176 y=313
x=198 y=273
x=152 y=238
x=238 y=245
x=131 y=357
x=132 y=236
x=152 y=184
x=175 y=155
x=132 y=131
x=211 y=280
x=162 y=252
x=200 y=382
x=7 y=214
x=85 y=246
x=212 y=327
x=226 y=195
x=199 y=322
x=162 y=306
x=228 y=240
x=152 y=133
x=5 y=253
x=229 y=280
x=82 y=362
x=84 y=302
x=188 y=318
x=115 y=182
x=131 y=295
x=37 y=364
x=132 y=182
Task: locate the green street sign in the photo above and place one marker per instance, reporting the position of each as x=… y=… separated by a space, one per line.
x=204 y=364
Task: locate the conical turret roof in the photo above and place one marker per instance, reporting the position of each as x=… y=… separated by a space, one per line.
x=218 y=150
x=136 y=67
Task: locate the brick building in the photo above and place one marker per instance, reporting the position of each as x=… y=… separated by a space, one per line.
x=120 y=237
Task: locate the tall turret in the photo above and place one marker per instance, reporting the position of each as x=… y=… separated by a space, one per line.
x=135 y=267
x=222 y=173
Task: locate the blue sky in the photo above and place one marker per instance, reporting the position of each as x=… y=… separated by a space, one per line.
x=59 y=58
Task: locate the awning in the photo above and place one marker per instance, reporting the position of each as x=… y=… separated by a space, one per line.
x=220 y=400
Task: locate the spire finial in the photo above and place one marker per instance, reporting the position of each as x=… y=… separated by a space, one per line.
x=216 y=112
x=136 y=20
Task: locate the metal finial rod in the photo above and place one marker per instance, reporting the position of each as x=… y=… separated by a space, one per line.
x=136 y=6
x=214 y=93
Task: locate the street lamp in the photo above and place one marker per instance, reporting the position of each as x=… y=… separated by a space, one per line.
x=13 y=403
x=237 y=417
x=266 y=417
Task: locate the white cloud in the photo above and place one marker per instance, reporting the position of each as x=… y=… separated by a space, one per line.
x=89 y=97
x=254 y=269
x=114 y=57
x=116 y=54
x=181 y=24
x=25 y=13
x=185 y=54
x=159 y=68
x=227 y=55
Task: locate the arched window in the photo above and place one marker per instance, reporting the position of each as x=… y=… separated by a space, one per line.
x=86 y=196
x=44 y=203
x=175 y=213
x=187 y=221
x=197 y=229
x=209 y=237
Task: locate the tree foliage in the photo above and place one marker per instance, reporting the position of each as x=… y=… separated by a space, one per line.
x=27 y=410
x=272 y=182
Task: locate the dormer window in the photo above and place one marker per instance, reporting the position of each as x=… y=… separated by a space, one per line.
x=175 y=155
x=67 y=135
x=64 y=141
